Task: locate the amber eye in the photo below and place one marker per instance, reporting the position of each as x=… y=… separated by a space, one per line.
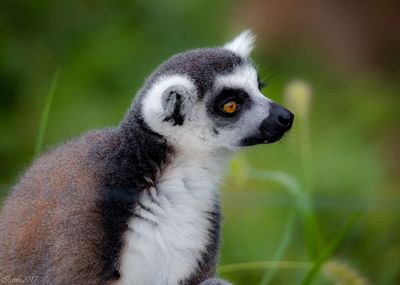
x=230 y=107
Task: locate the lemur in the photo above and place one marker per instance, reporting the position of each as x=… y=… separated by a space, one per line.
x=138 y=204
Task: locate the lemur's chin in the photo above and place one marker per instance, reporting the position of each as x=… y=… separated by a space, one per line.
x=250 y=141
x=273 y=139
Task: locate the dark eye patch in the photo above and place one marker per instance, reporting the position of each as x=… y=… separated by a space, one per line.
x=230 y=94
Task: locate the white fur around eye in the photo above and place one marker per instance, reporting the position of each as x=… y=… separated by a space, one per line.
x=243 y=77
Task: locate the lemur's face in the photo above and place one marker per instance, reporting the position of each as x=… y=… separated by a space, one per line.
x=210 y=99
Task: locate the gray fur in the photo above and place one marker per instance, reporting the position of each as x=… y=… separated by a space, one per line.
x=214 y=281
x=201 y=65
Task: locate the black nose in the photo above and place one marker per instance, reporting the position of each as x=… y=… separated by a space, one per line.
x=278 y=122
x=282 y=116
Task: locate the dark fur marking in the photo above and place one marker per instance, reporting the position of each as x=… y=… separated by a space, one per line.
x=116 y=274
x=147 y=209
x=153 y=200
x=130 y=153
x=214 y=106
x=144 y=219
x=177 y=118
x=116 y=207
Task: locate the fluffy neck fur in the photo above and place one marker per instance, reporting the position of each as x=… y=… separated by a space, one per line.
x=175 y=230
x=132 y=160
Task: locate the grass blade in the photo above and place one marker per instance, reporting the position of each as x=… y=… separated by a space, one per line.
x=45 y=114
x=269 y=274
x=302 y=200
x=330 y=249
x=226 y=268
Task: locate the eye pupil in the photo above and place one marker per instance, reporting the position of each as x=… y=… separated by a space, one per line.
x=230 y=107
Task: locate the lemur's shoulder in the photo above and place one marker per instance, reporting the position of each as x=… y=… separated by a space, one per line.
x=56 y=193
x=62 y=166
x=88 y=184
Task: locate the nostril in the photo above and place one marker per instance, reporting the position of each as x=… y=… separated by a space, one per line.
x=286 y=119
x=280 y=118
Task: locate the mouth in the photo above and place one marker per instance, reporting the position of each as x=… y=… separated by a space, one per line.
x=250 y=141
x=273 y=139
x=269 y=136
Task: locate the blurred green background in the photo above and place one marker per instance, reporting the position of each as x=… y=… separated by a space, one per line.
x=343 y=154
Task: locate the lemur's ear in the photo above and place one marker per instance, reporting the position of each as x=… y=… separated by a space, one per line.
x=243 y=44
x=175 y=102
x=168 y=100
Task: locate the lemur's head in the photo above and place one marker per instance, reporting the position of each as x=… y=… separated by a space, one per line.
x=209 y=99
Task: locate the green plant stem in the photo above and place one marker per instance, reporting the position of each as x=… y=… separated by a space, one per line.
x=264 y=265
x=327 y=252
x=306 y=154
x=314 y=243
x=269 y=274
x=45 y=114
x=301 y=201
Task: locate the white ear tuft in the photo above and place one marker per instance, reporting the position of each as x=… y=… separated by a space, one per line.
x=243 y=44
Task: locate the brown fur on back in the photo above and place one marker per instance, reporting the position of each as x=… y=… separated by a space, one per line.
x=57 y=194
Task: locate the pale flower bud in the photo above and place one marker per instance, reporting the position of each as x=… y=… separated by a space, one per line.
x=298 y=95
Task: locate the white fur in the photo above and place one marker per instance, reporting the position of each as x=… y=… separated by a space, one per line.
x=243 y=77
x=243 y=44
x=152 y=108
x=194 y=134
x=164 y=248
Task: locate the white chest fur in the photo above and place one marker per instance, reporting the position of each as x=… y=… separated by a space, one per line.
x=171 y=229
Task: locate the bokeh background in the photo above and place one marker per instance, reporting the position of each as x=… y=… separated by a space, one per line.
x=287 y=206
